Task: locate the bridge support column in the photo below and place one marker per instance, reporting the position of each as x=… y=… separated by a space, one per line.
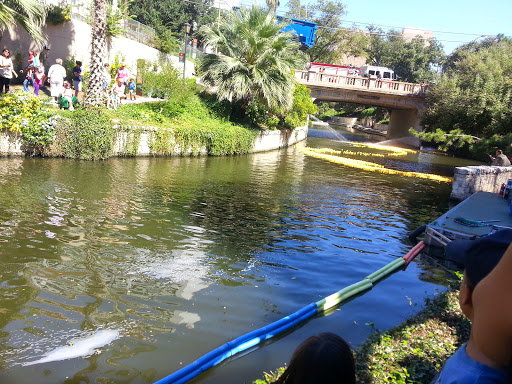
x=401 y=121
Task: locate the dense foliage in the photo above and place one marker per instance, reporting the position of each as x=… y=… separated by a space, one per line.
x=328 y=15
x=474 y=95
x=256 y=60
x=412 y=61
x=23 y=113
x=29 y=14
x=167 y=17
x=56 y=14
x=88 y=135
x=302 y=106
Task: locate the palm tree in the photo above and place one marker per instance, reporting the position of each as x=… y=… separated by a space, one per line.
x=272 y=5
x=98 y=53
x=255 y=62
x=29 y=14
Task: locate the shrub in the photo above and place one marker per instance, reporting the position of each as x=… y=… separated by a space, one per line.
x=368 y=112
x=57 y=15
x=23 y=113
x=145 y=115
x=219 y=109
x=89 y=135
x=259 y=114
x=302 y=106
x=163 y=83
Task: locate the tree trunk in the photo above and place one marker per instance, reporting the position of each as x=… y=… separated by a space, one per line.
x=94 y=95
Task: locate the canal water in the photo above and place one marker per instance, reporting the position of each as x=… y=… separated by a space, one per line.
x=153 y=262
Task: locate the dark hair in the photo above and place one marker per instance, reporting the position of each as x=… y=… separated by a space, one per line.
x=78 y=62
x=6 y=49
x=322 y=359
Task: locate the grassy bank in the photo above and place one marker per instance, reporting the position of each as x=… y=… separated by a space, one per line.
x=172 y=130
x=414 y=351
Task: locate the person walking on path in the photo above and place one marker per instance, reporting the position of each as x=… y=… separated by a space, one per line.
x=29 y=70
x=77 y=77
x=56 y=76
x=38 y=80
x=6 y=71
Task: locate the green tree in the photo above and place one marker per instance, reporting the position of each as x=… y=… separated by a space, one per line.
x=413 y=61
x=331 y=40
x=29 y=14
x=168 y=16
x=474 y=94
x=255 y=62
x=272 y=5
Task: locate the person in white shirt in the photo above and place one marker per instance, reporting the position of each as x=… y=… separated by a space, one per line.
x=56 y=76
x=6 y=71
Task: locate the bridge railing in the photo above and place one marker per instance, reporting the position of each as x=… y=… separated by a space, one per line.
x=340 y=81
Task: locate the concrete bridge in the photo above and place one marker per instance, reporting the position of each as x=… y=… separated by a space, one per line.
x=406 y=100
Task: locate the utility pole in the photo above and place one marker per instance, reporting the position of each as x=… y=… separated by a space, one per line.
x=186 y=27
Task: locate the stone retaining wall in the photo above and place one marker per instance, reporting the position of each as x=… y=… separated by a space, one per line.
x=468 y=180
x=11 y=144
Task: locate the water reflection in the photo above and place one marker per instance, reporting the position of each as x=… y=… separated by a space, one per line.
x=182 y=255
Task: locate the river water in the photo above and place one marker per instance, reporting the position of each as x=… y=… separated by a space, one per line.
x=153 y=262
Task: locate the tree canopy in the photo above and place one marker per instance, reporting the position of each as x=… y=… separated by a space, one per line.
x=413 y=61
x=167 y=17
x=475 y=92
x=255 y=61
x=331 y=40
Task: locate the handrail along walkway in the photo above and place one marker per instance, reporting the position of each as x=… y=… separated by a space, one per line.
x=362 y=83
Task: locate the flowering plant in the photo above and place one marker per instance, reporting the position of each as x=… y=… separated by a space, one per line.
x=145 y=115
x=23 y=113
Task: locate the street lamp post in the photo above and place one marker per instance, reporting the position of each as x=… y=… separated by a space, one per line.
x=186 y=27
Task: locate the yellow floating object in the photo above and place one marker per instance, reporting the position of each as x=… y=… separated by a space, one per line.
x=366 y=165
x=394 y=152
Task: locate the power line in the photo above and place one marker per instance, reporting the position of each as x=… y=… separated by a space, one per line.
x=356 y=22
x=386 y=34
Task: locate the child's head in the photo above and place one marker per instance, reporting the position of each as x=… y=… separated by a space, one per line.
x=478 y=257
x=67 y=84
x=131 y=80
x=325 y=358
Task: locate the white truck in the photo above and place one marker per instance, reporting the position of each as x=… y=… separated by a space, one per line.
x=377 y=72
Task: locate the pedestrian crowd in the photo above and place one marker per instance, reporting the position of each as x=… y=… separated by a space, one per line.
x=64 y=93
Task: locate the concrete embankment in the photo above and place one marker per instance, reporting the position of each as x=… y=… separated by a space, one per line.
x=468 y=180
x=141 y=138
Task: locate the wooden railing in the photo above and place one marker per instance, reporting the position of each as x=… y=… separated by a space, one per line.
x=358 y=82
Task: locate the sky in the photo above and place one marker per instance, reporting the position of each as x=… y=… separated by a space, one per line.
x=454 y=22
